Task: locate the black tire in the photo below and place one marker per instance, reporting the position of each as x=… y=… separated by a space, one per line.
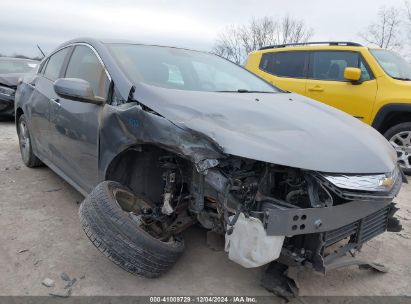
x=118 y=236
x=397 y=129
x=26 y=148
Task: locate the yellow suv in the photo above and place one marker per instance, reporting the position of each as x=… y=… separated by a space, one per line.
x=373 y=85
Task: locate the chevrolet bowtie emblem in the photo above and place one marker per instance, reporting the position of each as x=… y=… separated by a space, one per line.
x=387 y=182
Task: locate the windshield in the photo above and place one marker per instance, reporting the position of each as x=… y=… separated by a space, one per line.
x=393 y=64
x=174 y=68
x=16 y=66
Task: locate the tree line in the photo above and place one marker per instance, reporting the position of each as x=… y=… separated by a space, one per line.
x=23 y=56
x=388 y=30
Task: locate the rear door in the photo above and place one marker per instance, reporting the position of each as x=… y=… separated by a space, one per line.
x=40 y=103
x=286 y=70
x=76 y=124
x=326 y=82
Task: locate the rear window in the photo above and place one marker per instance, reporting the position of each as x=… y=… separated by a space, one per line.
x=285 y=64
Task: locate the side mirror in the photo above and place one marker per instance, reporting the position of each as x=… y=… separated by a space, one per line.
x=352 y=74
x=76 y=89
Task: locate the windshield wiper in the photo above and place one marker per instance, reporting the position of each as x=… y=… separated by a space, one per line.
x=402 y=78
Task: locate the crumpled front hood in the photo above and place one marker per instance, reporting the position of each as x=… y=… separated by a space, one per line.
x=281 y=128
x=10 y=80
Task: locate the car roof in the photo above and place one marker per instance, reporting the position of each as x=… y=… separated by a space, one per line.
x=104 y=41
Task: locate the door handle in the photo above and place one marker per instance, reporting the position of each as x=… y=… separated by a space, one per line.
x=56 y=100
x=316 y=89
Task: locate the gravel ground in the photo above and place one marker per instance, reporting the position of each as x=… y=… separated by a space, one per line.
x=41 y=237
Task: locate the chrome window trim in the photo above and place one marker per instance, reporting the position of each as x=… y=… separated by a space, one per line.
x=92 y=48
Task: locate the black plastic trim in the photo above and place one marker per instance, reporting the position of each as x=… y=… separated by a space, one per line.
x=387 y=109
x=335 y=43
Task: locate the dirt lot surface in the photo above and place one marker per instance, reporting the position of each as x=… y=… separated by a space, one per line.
x=41 y=237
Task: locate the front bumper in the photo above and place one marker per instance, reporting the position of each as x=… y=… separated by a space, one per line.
x=296 y=221
x=321 y=237
x=290 y=220
x=323 y=251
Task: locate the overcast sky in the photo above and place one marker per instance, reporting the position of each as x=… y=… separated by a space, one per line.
x=189 y=23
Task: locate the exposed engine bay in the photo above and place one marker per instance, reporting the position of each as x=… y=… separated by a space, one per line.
x=301 y=212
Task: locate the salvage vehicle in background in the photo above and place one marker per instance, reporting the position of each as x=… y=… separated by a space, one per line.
x=160 y=138
x=11 y=69
x=373 y=85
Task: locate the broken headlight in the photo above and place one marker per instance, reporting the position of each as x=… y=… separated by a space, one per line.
x=374 y=182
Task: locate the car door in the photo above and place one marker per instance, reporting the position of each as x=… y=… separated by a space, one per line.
x=40 y=103
x=326 y=82
x=75 y=124
x=286 y=70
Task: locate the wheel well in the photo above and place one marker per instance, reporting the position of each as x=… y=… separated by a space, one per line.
x=139 y=169
x=394 y=118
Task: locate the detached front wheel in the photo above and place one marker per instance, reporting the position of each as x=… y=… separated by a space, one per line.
x=113 y=219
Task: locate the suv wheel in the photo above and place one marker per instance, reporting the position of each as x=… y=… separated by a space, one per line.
x=400 y=138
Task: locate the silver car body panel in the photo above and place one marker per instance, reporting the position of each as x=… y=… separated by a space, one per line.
x=280 y=128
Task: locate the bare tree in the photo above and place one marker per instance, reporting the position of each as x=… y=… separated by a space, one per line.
x=385 y=31
x=235 y=42
x=408 y=19
x=293 y=31
x=228 y=45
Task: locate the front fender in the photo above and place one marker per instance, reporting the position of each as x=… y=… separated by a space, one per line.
x=128 y=125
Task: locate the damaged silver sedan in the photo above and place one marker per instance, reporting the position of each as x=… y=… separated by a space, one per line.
x=160 y=138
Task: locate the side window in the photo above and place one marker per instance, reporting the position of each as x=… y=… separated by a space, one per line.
x=330 y=65
x=55 y=63
x=284 y=64
x=85 y=65
x=266 y=62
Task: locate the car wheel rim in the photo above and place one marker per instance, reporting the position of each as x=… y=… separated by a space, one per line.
x=402 y=145
x=24 y=141
x=135 y=207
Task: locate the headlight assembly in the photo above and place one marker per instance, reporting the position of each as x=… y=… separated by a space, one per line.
x=375 y=182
